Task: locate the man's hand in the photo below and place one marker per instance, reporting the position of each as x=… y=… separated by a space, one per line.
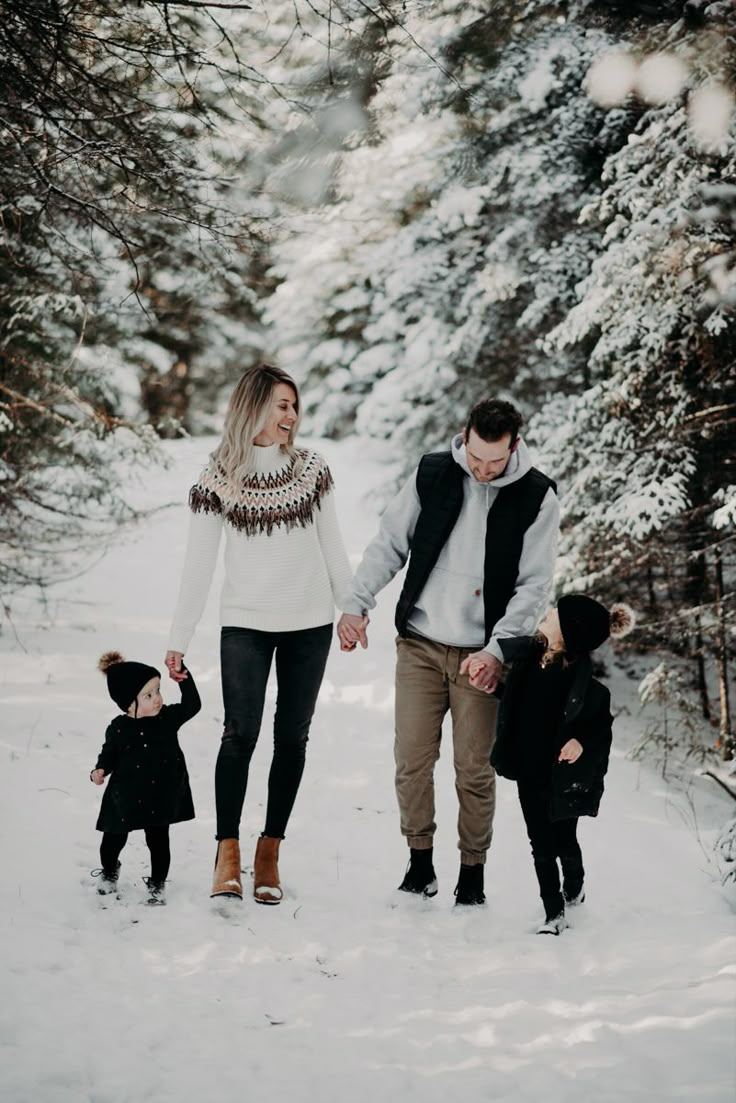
x=98 y=776
x=173 y=663
x=351 y=631
x=571 y=752
x=483 y=670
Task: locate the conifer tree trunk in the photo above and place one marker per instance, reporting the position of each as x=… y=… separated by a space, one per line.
x=725 y=739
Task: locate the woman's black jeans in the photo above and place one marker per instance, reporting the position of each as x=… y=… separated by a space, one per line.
x=245 y=656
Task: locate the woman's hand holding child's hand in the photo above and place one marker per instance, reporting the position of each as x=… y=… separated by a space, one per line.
x=571 y=752
x=174 y=665
x=98 y=776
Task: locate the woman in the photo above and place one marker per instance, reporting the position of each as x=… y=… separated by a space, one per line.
x=285 y=570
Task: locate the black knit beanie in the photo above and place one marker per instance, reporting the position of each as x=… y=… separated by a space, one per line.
x=125 y=680
x=586 y=624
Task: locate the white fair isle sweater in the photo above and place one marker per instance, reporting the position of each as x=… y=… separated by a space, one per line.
x=285 y=562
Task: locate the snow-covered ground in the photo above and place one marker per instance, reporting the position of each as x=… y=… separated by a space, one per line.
x=345 y=991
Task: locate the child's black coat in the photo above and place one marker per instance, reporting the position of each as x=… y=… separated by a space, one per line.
x=576 y=788
x=149 y=783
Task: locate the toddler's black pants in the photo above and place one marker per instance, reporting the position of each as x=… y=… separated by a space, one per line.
x=157 y=841
x=550 y=840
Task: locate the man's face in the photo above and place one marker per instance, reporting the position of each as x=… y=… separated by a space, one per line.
x=487 y=459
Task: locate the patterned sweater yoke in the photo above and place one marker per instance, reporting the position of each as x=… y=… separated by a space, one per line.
x=287 y=497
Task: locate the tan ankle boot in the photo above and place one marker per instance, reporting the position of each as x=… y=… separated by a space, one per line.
x=266 y=884
x=226 y=880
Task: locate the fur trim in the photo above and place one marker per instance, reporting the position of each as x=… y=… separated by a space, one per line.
x=287 y=497
x=623 y=619
x=110 y=658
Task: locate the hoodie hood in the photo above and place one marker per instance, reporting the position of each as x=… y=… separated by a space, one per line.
x=519 y=463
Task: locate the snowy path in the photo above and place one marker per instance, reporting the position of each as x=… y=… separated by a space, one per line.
x=344 y=991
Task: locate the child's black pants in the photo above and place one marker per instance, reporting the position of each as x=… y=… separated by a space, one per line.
x=550 y=840
x=157 y=841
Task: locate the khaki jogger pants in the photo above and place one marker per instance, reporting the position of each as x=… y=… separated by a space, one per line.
x=428 y=683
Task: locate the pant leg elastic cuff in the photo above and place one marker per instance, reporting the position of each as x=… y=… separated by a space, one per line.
x=473 y=857
x=420 y=842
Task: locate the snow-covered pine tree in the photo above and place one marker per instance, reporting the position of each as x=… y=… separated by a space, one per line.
x=645 y=453
x=453 y=241
x=122 y=242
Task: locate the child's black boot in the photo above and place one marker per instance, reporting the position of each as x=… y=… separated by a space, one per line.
x=574 y=895
x=156 y=891
x=108 y=882
x=554 y=913
x=572 y=878
x=553 y=924
x=469 y=888
x=420 y=877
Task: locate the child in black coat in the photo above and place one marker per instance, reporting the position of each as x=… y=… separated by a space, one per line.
x=149 y=784
x=553 y=738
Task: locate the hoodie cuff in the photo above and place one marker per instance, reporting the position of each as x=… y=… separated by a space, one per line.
x=492 y=647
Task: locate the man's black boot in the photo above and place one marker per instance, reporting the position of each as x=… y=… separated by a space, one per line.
x=420 y=877
x=469 y=888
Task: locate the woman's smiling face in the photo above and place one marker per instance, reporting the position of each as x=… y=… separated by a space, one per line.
x=282 y=417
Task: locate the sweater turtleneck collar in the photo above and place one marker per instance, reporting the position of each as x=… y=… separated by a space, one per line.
x=269 y=457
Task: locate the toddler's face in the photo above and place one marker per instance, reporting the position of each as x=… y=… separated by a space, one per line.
x=149 y=700
x=550 y=628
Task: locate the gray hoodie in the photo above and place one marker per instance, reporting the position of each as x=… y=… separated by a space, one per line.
x=450 y=608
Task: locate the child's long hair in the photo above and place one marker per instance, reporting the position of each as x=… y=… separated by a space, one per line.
x=551 y=655
x=247 y=412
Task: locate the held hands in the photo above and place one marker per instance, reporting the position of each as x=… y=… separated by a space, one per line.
x=483 y=670
x=98 y=776
x=173 y=663
x=571 y=751
x=351 y=631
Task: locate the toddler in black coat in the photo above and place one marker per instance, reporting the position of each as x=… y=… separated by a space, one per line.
x=149 y=784
x=553 y=738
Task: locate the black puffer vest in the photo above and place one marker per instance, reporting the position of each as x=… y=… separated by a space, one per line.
x=440 y=490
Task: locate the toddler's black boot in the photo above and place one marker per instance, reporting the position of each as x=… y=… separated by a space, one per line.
x=573 y=894
x=554 y=912
x=469 y=888
x=156 y=891
x=108 y=882
x=420 y=877
x=572 y=879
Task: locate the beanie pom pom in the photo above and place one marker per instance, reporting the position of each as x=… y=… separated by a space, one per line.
x=110 y=658
x=623 y=619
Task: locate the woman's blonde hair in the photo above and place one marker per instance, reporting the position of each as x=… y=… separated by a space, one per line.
x=246 y=415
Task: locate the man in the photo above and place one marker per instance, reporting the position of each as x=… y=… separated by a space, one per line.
x=479 y=526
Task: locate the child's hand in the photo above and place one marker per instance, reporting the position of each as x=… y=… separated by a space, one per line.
x=483 y=670
x=571 y=752
x=98 y=776
x=175 y=665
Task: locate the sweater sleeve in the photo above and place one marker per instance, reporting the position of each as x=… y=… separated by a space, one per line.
x=190 y=702
x=534 y=578
x=333 y=549
x=199 y=566
x=388 y=551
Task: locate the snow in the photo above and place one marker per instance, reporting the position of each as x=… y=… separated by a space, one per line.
x=345 y=990
x=660 y=78
x=612 y=77
x=712 y=108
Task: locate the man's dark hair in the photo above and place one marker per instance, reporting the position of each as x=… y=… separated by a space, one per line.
x=493 y=418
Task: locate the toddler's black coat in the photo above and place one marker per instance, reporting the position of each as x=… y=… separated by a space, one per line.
x=575 y=788
x=149 y=783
